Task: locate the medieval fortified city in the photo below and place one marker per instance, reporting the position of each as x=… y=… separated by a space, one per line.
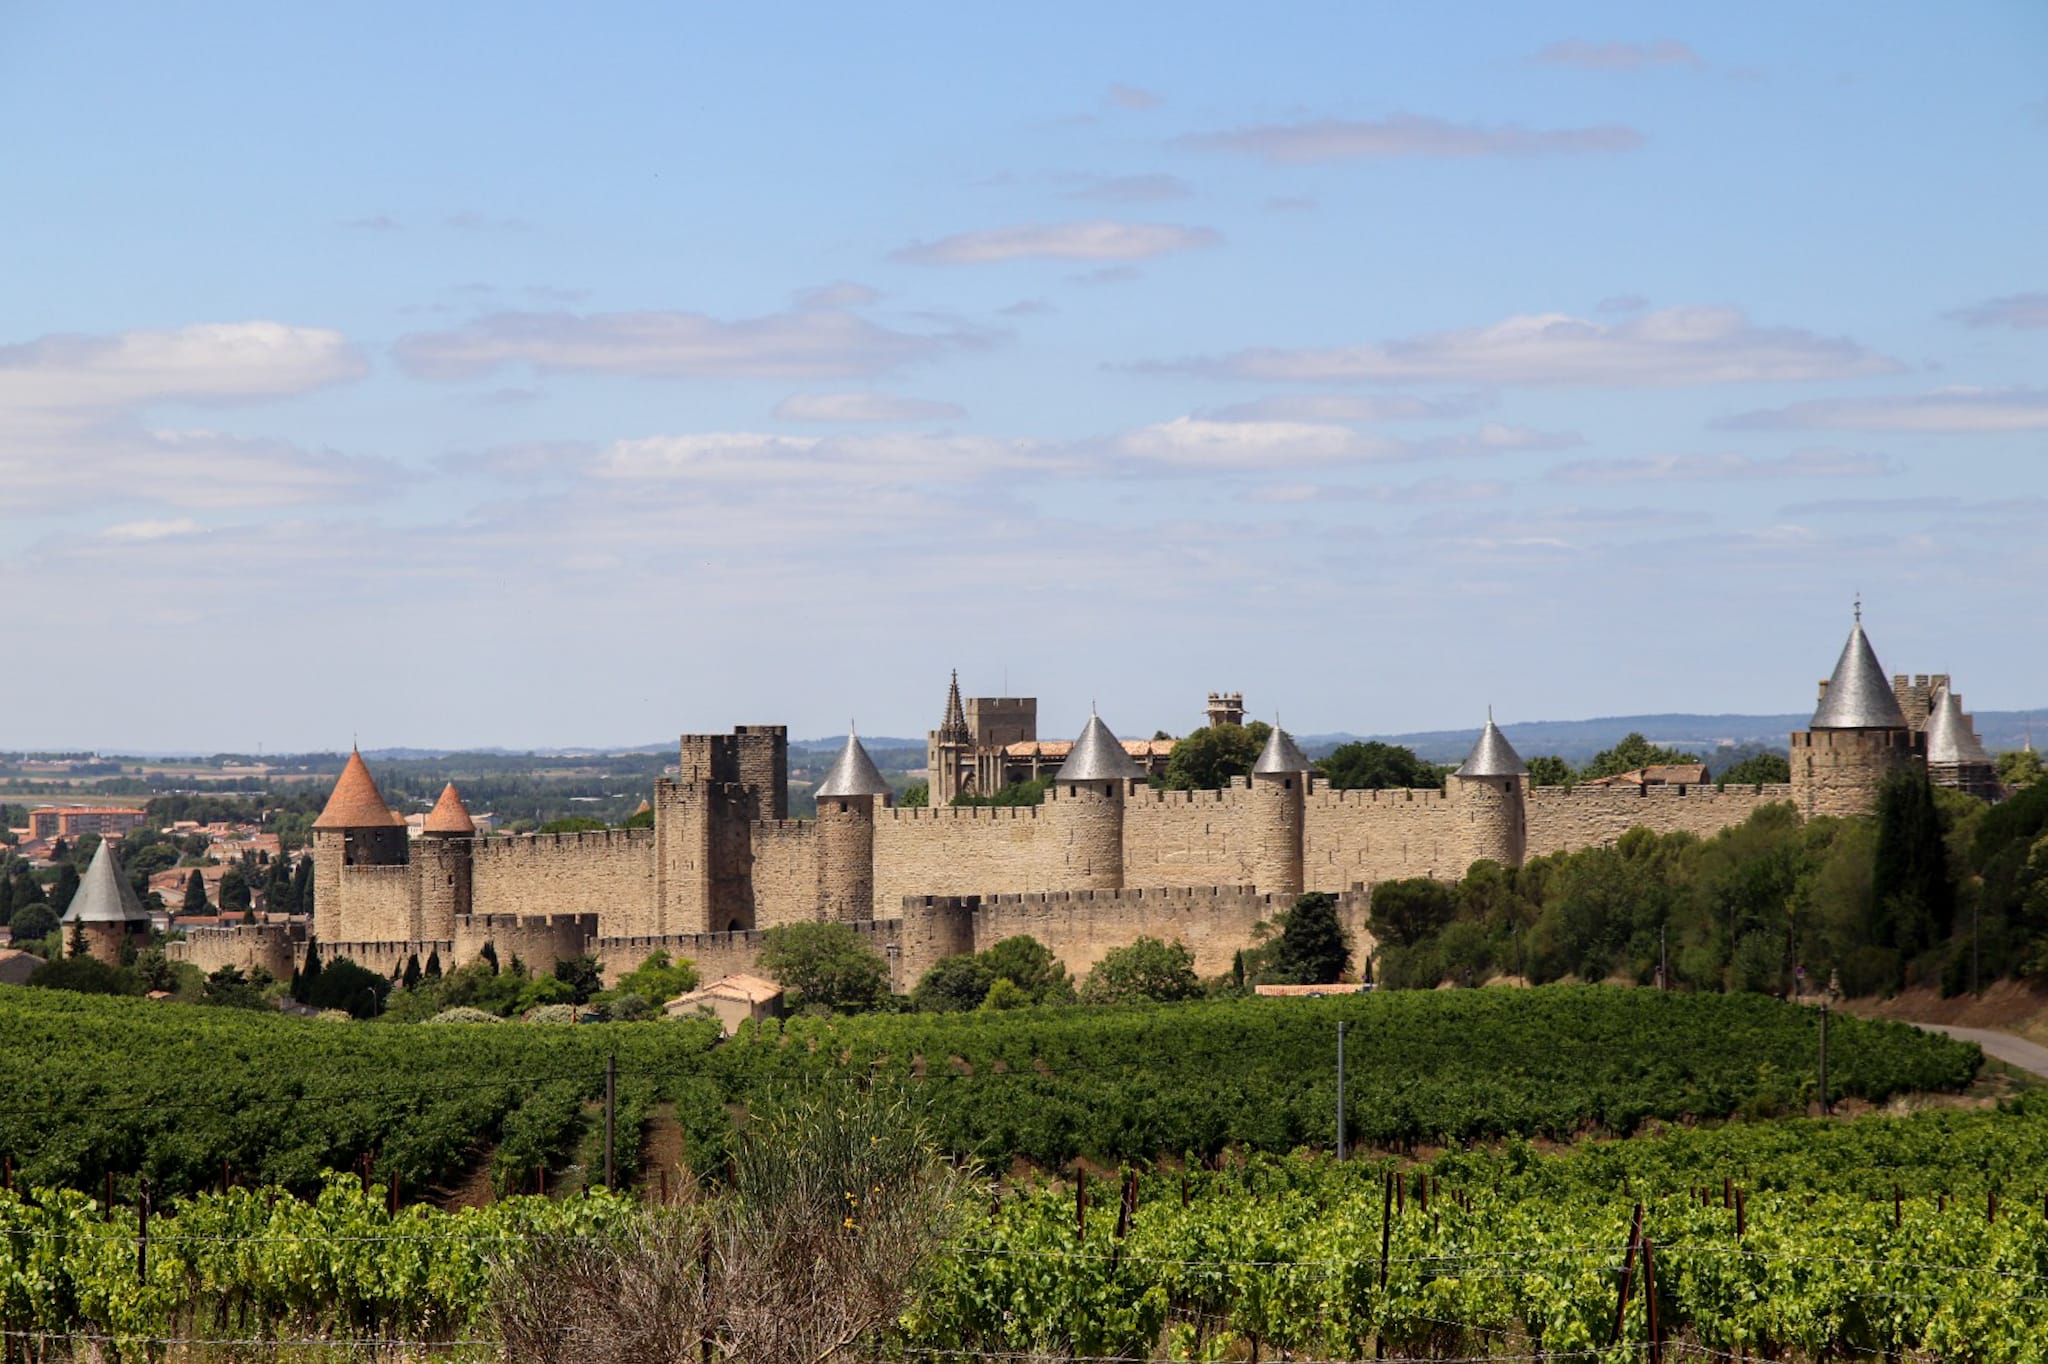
x=1320 y=654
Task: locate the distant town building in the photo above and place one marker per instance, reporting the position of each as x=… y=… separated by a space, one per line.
x=71 y=821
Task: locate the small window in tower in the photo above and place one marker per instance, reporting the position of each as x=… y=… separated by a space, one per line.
x=1108 y=790
x=1287 y=784
x=842 y=807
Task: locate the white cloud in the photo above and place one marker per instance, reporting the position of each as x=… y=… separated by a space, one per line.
x=1193 y=442
x=2026 y=311
x=150 y=530
x=1947 y=411
x=1100 y=241
x=763 y=463
x=1131 y=97
x=840 y=293
x=1620 y=56
x=1704 y=468
x=1353 y=407
x=864 y=407
x=815 y=343
x=1129 y=189
x=68 y=379
x=1674 y=346
x=195 y=469
x=1402 y=135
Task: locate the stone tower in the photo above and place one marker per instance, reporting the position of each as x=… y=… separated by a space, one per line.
x=1279 y=792
x=949 y=749
x=1859 y=736
x=446 y=874
x=1489 y=790
x=104 y=910
x=846 y=833
x=355 y=829
x=1225 y=708
x=1092 y=784
x=1956 y=757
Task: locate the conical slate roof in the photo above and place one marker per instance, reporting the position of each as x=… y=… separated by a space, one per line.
x=450 y=815
x=1097 y=756
x=1858 y=696
x=852 y=774
x=356 y=803
x=104 y=895
x=1281 y=756
x=1950 y=739
x=1492 y=756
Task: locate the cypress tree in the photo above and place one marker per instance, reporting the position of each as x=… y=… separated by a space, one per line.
x=309 y=973
x=433 y=971
x=65 y=888
x=195 y=894
x=1314 y=949
x=490 y=954
x=1915 y=901
x=412 y=971
x=301 y=897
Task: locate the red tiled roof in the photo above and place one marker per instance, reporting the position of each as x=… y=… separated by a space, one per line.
x=356 y=802
x=450 y=815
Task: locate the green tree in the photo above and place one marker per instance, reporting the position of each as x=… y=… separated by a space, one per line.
x=2020 y=767
x=302 y=887
x=1374 y=766
x=1547 y=769
x=1404 y=912
x=85 y=975
x=64 y=887
x=413 y=976
x=235 y=897
x=1016 y=793
x=195 y=894
x=433 y=971
x=1915 y=900
x=32 y=923
x=639 y=819
x=1029 y=965
x=916 y=796
x=1148 y=969
x=1314 y=949
x=1759 y=769
x=584 y=976
x=952 y=985
x=345 y=985
x=825 y=964
x=1212 y=757
x=572 y=824
x=1634 y=751
x=657 y=978
x=229 y=988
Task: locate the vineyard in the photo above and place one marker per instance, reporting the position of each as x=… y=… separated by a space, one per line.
x=1759 y=1241
x=130 y=1089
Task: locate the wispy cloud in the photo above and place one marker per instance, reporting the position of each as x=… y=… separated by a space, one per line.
x=1407 y=135
x=864 y=407
x=150 y=530
x=1947 y=411
x=2025 y=311
x=1673 y=346
x=1720 y=467
x=1354 y=407
x=1620 y=56
x=1091 y=241
x=471 y=221
x=840 y=293
x=1128 y=189
x=758 y=459
x=197 y=469
x=378 y=222
x=814 y=343
x=1131 y=97
x=1193 y=442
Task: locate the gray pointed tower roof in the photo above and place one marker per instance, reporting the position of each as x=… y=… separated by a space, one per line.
x=1858 y=695
x=104 y=895
x=1098 y=756
x=1949 y=737
x=1281 y=756
x=853 y=773
x=1492 y=756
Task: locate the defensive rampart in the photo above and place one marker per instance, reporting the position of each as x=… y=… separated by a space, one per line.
x=607 y=872
x=274 y=947
x=1352 y=838
x=1562 y=819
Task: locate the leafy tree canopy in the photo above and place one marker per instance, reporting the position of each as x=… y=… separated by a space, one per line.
x=573 y=824
x=1148 y=969
x=916 y=796
x=2021 y=767
x=1405 y=912
x=1314 y=949
x=828 y=965
x=1374 y=766
x=658 y=978
x=1547 y=769
x=1758 y=769
x=1632 y=752
x=1016 y=793
x=1212 y=757
x=85 y=976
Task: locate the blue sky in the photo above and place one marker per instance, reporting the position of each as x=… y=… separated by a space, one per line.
x=511 y=375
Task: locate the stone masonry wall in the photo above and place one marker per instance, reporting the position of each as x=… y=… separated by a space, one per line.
x=274 y=947
x=963 y=850
x=1562 y=819
x=1838 y=771
x=1190 y=838
x=376 y=903
x=1355 y=838
x=725 y=954
x=609 y=873
x=785 y=872
x=538 y=940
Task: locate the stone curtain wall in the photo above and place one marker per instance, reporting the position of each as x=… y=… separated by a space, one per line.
x=785 y=872
x=964 y=850
x=274 y=947
x=376 y=903
x=1563 y=820
x=1352 y=838
x=1191 y=838
x=609 y=873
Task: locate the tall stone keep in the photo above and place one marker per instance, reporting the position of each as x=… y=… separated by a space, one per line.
x=1859 y=736
x=355 y=829
x=846 y=833
x=446 y=874
x=1092 y=784
x=1489 y=791
x=1279 y=793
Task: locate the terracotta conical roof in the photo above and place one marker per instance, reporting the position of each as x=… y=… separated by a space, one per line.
x=1097 y=756
x=1492 y=756
x=1950 y=740
x=104 y=895
x=643 y=808
x=450 y=815
x=356 y=802
x=853 y=774
x=1281 y=756
x=1858 y=696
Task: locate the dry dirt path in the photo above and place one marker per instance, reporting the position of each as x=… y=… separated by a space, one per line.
x=2014 y=1051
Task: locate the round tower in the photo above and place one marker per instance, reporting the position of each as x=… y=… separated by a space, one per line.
x=1092 y=784
x=445 y=875
x=1278 y=800
x=1487 y=791
x=1858 y=737
x=104 y=910
x=846 y=833
x=355 y=829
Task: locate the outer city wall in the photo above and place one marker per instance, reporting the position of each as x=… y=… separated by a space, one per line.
x=1564 y=820
x=608 y=872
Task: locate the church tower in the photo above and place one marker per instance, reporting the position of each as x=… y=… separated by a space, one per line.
x=949 y=750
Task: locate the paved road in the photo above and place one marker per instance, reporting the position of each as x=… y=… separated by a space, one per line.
x=2017 y=1051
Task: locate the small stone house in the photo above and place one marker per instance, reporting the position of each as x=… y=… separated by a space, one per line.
x=732 y=1000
